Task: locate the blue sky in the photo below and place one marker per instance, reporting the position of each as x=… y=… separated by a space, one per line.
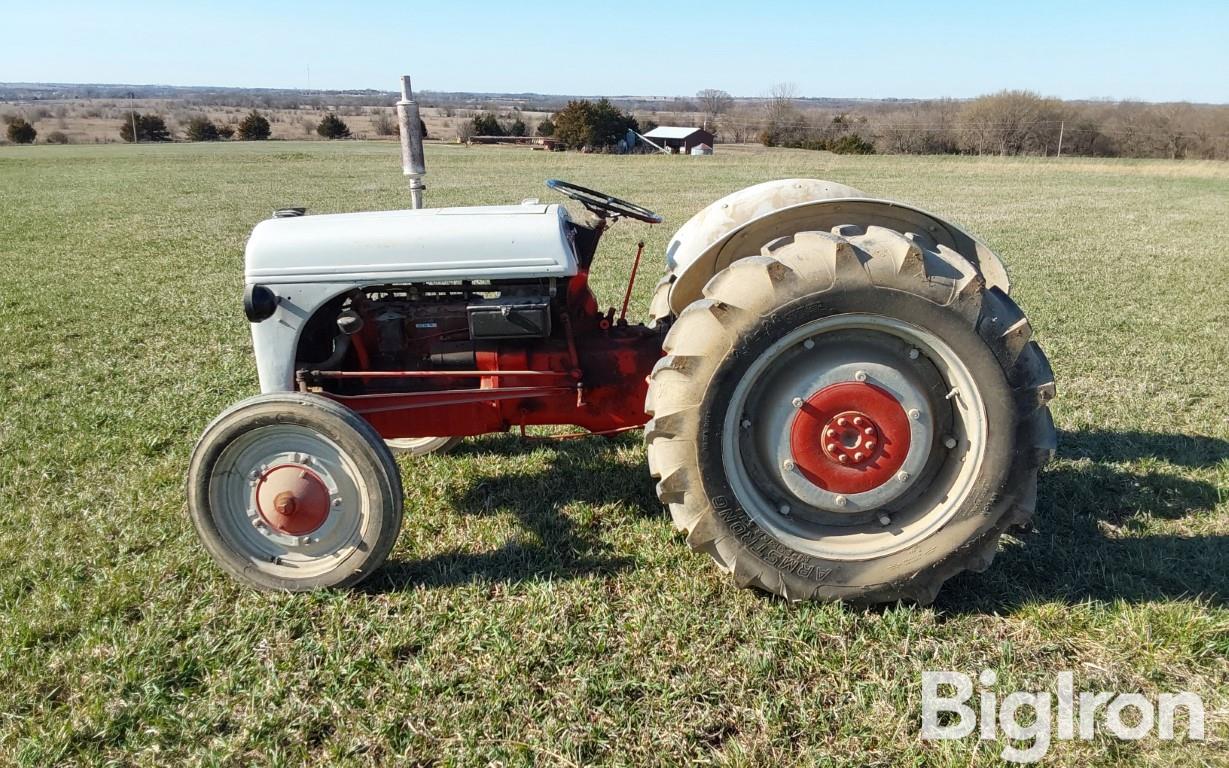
x=1158 y=51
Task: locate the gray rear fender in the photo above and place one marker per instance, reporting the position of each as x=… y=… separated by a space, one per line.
x=738 y=225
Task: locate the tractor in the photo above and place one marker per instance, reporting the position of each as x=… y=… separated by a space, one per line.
x=839 y=398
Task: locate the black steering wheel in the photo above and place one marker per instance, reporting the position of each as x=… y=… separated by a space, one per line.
x=604 y=205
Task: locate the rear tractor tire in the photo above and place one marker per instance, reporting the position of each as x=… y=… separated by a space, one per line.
x=851 y=415
x=294 y=492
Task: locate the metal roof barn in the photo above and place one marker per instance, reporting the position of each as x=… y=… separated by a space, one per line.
x=680 y=139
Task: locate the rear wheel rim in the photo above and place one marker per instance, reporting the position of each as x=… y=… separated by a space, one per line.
x=289 y=548
x=783 y=491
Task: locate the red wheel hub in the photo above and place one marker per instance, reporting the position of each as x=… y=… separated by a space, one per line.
x=850 y=437
x=292 y=499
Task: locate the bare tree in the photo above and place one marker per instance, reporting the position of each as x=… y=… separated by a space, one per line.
x=1140 y=130
x=1208 y=131
x=741 y=125
x=781 y=100
x=383 y=123
x=713 y=103
x=782 y=118
x=902 y=132
x=1011 y=123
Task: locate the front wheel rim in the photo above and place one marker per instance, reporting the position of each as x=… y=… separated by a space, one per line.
x=947 y=436
x=247 y=518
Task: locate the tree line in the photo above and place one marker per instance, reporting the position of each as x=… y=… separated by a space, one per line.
x=1003 y=123
x=581 y=124
x=1010 y=122
x=253 y=127
x=152 y=128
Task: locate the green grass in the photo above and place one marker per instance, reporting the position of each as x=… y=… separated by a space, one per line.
x=538 y=608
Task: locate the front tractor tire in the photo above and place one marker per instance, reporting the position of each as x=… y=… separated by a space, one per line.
x=294 y=492
x=851 y=415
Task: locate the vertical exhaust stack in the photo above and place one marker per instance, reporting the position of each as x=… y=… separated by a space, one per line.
x=413 y=164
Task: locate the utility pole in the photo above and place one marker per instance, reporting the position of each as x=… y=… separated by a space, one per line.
x=132 y=113
x=1061 y=125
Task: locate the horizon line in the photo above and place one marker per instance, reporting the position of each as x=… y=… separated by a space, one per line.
x=624 y=96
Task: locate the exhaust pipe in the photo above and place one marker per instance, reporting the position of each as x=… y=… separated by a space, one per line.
x=413 y=164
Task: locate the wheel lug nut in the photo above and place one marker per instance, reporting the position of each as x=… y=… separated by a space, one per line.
x=808 y=344
x=831 y=433
x=885 y=520
x=796 y=402
x=337 y=502
x=746 y=423
x=841 y=501
x=870 y=445
x=832 y=447
x=914 y=354
x=902 y=476
x=789 y=465
x=843 y=459
x=842 y=421
x=868 y=431
x=784 y=509
x=859 y=375
x=859 y=456
x=915 y=414
x=949 y=442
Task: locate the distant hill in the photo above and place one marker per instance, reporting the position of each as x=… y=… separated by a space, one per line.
x=289 y=98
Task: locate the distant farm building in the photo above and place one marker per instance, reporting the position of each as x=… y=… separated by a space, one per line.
x=680 y=140
x=702 y=149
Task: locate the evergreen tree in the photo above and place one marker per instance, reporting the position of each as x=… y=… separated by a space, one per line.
x=21 y=132
x=202 y=129
x=254 y=127
x=333 y=127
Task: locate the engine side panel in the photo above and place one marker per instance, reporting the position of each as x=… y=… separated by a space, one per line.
x=275 y=340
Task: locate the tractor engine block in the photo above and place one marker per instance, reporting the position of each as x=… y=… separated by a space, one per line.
x=439 y=326
x=468 y=358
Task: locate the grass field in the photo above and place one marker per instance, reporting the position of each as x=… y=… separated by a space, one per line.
x=539 y=608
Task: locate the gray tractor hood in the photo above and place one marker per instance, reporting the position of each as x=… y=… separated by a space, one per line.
x=490 y=242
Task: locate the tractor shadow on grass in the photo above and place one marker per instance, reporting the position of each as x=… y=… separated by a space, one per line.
x=559 y=507
x=1090 y=539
